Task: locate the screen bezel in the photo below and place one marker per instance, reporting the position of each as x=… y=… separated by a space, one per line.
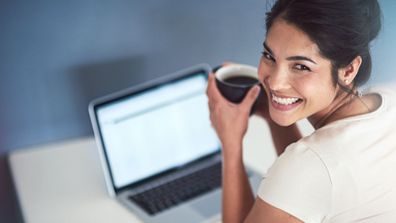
x=200 y=70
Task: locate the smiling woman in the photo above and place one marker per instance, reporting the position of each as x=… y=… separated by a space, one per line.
x=316 y=55
x=293 y=70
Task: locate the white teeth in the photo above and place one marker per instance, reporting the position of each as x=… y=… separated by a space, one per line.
x=284 y=101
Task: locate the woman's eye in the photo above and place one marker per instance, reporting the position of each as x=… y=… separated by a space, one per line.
x=267 y=56
x=302 y=67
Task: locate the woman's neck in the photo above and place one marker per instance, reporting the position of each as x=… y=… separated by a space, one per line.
x=346 y=105
x=335 y=111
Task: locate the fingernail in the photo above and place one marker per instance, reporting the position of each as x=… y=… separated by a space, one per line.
x=256 y=90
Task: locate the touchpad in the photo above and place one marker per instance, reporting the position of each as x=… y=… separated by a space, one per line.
x=208 y=205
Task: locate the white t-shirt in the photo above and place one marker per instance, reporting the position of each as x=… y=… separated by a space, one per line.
x=343 y=172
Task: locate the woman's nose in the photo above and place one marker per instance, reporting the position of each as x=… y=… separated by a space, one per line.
x=278 y=80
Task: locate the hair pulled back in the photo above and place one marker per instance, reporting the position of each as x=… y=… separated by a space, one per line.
x=342 y=29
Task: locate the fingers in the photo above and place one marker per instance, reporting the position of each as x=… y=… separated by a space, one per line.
x=215 y=96
x=251 y=97
x=212 y=91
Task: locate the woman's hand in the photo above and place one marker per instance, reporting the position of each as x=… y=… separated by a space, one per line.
x=229 y=120
x=261 y=107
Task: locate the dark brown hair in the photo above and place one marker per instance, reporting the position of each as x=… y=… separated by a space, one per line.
x=342 y=29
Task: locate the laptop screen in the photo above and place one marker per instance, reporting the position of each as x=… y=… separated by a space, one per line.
x=156 y=130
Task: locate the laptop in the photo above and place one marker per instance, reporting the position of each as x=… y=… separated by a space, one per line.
x=160 y=156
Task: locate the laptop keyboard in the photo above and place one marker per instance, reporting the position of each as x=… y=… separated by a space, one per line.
x=182 y=189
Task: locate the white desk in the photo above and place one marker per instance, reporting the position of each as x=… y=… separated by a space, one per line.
x=63 y=182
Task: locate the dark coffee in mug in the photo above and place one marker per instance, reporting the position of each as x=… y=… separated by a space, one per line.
x=234 y=82
x=241 y=80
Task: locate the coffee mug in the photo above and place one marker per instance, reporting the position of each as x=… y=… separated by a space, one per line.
x=235 y=80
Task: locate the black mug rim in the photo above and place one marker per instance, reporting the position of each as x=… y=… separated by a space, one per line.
x=236 y=75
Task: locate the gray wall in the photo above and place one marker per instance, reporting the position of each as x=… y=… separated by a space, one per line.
x=58 y=55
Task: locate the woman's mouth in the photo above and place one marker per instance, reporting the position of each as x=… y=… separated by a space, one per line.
x=284 y=103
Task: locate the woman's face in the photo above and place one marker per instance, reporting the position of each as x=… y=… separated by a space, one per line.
x=296 y=77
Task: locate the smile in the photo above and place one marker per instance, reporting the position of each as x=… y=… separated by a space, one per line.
x=285 y=103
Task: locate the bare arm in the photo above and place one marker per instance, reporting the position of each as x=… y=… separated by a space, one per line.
x=265 y=213
x=283 y=136
x=238 y=197
x=238 y=202
x=230 y=122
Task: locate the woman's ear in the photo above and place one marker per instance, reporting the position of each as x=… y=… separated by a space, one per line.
x=347 y=74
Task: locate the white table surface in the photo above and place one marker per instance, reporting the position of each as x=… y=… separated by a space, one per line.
x=63 y=181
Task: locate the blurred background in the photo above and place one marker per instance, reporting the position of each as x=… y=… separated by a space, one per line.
x=56 y=56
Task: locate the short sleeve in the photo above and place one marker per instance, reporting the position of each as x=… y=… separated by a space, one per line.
x=299 y=184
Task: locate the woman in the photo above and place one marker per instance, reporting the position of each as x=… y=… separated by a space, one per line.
x=316 y=53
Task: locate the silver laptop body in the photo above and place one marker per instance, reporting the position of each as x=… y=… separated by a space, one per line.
x=156 y=134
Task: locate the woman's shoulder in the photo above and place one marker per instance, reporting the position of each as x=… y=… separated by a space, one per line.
x=387 y=93
x=357 y=131
x=383 y=88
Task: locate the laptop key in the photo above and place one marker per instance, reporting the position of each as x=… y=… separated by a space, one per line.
x=157 y=199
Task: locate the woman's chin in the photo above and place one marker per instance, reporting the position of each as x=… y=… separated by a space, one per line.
x=282 y=121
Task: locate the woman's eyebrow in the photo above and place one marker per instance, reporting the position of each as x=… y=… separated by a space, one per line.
x=301 y=58
x=266 y=47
